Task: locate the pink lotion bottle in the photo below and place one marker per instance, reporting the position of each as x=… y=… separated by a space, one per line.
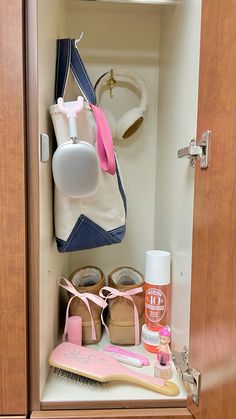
x=157 y=292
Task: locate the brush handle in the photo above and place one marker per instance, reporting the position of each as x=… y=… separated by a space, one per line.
x=167 y=388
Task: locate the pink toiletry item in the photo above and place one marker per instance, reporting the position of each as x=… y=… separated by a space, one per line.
x=74 y=330
x=124 y=359
x=120 y=351
x=101 y=367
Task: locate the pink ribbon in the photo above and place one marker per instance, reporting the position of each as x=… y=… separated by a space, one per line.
x=114 y=293
x=104 y=141
x=85 y=296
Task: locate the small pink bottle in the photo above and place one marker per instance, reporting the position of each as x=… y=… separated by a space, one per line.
x=157 y=291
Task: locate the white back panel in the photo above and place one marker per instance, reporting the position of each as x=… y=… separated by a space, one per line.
x=126 y=40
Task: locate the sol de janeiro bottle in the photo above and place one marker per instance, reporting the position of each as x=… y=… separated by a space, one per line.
x=157 y=291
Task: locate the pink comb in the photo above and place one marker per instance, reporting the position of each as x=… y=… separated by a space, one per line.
x=101 y=367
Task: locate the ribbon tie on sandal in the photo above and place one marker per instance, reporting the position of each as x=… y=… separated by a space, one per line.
x=85 y=297
x=114 y=293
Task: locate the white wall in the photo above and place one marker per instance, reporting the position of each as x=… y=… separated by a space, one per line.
x=128 y=40
x=177 y=117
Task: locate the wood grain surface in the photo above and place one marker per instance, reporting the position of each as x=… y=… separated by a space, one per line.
x=213 y=304
x=14 y=417
x=33 y=199
x=173 y=413
x=115 y=404
x=13 y=368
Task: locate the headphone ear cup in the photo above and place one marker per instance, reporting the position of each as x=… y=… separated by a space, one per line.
x=111 y=120
x=129 y=123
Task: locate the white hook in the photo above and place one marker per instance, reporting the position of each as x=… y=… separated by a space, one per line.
x=77 y=41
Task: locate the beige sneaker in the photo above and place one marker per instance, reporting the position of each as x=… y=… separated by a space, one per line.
x=125 y=297
x=88 y=279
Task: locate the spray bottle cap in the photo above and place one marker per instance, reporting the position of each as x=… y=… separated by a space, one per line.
x=157 y=267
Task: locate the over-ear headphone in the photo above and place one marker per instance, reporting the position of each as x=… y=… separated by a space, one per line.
x=129 y=122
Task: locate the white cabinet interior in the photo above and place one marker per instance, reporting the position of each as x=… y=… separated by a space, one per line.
x=161 y=45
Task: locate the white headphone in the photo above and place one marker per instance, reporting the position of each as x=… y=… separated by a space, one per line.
x=128 y=123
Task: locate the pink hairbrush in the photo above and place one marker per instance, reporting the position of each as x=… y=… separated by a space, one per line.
x=71 y=361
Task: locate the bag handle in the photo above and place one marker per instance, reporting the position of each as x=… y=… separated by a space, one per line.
x=68 y=58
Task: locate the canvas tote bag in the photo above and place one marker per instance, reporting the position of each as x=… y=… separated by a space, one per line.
x=99 y=219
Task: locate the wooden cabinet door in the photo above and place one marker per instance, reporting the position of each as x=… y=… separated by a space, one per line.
x=12 y=212
x=213 y=303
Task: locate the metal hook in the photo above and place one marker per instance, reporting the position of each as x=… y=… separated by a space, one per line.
x=77 y=41
x=111 y=82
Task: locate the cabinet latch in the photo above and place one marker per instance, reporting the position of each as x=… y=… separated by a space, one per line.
x=44 y=148
x=188 y=375
x=197 y=151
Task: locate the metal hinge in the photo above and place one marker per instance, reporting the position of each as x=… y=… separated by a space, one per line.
x=188 y=375
x=197 y=151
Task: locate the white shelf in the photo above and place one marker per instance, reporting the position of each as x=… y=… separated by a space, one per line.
x=157 y=2
x=59 y=390
x=131 y=6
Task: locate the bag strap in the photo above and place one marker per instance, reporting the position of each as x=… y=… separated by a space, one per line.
x=104 y=141
x=68 y=58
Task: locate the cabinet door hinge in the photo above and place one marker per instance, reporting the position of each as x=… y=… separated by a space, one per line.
x=188 y=375
x=197 y=151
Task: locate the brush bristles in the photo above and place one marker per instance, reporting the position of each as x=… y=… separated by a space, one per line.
x=75 y=378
